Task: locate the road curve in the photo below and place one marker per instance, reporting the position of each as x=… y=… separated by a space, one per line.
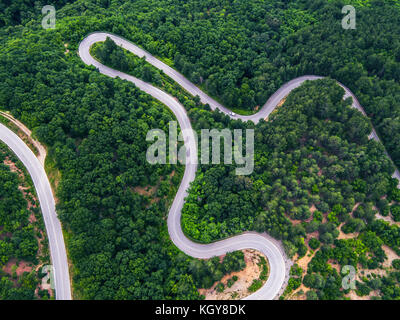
x=279 y=264
x=47 y=205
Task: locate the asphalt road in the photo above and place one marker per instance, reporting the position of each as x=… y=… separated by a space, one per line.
x=279 y=264
x=46 y=200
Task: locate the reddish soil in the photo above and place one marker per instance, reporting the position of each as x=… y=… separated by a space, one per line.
x=245 y=278
x=23 y=266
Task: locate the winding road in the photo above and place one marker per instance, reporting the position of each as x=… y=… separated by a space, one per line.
x=271 y=248
x=53 y=227
x=279 y=264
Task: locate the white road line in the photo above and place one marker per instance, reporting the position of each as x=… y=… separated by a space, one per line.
x=279 y=264
x=47 y=205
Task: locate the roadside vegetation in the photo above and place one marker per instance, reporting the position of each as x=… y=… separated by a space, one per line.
x=316 y=174
x=111 y=55
x=23 y=241
x=28 y=140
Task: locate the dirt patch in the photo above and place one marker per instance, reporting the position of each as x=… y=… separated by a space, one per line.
x=334 y=265
x=311 y=235
x=353 y=295
x=23 y=266
x=391 y=255
x=12 y=166
x=304 y=261
x=343 y=235
x=387 y=219
x=24 y=189
x=239 y=289
x=300 y=292
x=296 y=222
x=32 y=218
x=280 y=104
x=149 y=192
x=56 y=177
x=4 y=235
x=387 y=264
x=145 y=191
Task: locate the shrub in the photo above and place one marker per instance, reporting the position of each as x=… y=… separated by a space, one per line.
x=314 y=243
x=220 y=287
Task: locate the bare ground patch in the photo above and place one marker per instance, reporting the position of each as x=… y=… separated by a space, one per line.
x=300 y=293
x=387 y=219
x=23 y=266
x=239 y=289
x=343 y=235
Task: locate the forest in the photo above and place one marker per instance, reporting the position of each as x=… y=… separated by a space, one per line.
x=316 y=173
x=243 y=51
x=19 y=234
x=116 y=237
x=308 y=159
x=316 y=176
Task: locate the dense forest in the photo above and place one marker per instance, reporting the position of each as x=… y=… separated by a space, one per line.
x=116 y=234
x=316 y=175
x=243 y=51
x=313 y=151
x=315 y=165
x=21 y=231
x=22 y=11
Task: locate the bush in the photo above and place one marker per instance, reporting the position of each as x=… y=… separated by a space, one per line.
x=395 y=210
x=314 y=243
x=311 y=295
x=318 y=216
x=396 y=264
x=383 y=206
x=234 y=261
x=301 y=250
x=326 y=238
x=220 y=287
x=256 y=284
x=230 y=282
x=362 y=289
